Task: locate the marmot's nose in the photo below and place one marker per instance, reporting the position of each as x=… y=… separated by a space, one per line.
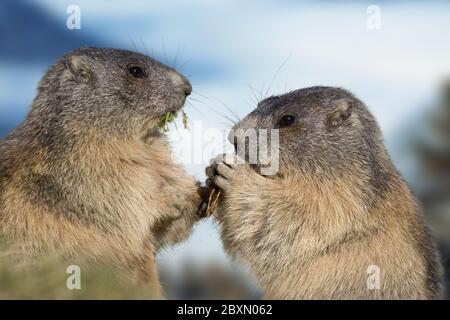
x=187 y=88
x=181 y=82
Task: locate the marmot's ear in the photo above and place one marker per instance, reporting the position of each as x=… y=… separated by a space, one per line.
x=342 y=110
x=79 y=68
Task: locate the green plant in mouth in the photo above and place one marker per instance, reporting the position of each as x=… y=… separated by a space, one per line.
x=169 y=117
x=185 y=119
x=163 y=123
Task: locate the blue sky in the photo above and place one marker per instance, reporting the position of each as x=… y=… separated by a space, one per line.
x=235 y=50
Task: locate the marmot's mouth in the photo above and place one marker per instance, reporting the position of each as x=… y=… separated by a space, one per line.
x=169 y=117
x=174 y=111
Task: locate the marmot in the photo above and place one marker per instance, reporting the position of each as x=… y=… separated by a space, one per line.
x=88 y=175
x=337 y=211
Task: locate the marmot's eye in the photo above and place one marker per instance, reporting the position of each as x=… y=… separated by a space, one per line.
x=286 y=120
x=136 y=71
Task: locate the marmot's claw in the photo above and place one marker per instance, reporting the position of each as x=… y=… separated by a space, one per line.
x=203 y=210
x=209 y=183
x=209 y=173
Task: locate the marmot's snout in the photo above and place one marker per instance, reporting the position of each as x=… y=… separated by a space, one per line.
x=187 y=88
x=181 y=83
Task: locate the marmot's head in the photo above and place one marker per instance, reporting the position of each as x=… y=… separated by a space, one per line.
x=321 y=129
x=108 y=90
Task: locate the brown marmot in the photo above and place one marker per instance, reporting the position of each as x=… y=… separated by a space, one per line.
x=88 y=175
x=337 y=221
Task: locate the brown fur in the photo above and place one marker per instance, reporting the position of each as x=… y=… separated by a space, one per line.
x=313 y=230
x=78 y=189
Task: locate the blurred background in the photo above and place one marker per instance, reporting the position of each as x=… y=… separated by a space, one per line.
x=394 y=55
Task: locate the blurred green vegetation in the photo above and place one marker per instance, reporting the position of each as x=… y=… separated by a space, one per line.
x=47 y=279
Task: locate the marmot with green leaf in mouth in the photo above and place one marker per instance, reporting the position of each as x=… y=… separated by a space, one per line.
x=88 y=174
x=336 y=221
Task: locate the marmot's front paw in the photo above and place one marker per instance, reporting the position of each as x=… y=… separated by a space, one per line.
x=222 y=170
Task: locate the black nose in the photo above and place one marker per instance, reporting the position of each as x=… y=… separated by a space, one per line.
x=187 y=88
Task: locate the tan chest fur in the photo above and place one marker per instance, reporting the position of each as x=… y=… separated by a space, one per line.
x=308 y=238
x=114 y=196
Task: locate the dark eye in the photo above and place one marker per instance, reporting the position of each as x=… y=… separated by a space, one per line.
x=286 y=120
x=136 y=71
